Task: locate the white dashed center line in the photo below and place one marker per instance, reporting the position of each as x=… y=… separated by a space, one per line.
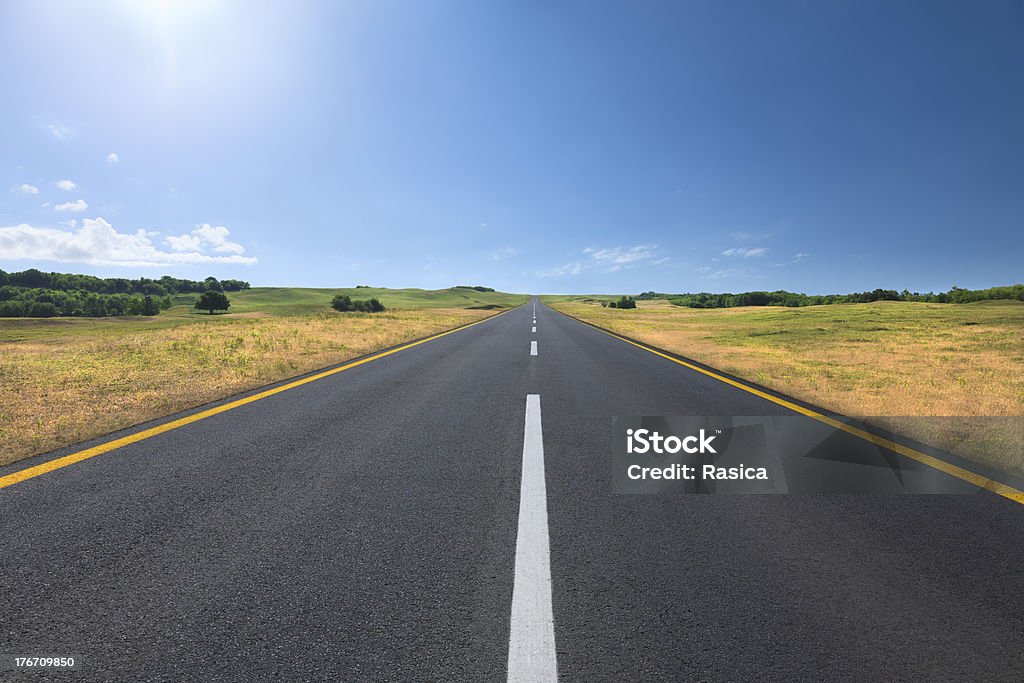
x=531 y=643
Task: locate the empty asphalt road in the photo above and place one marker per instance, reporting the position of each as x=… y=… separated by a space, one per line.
x=446 y=513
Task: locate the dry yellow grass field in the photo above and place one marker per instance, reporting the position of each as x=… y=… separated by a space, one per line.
x=900 y=364
x=66 y=380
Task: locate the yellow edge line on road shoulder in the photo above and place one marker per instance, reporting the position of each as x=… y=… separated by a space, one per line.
x=923 y=458
x=64 y=461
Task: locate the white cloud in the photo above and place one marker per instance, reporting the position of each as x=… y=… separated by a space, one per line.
x=112 y=158
x=65 y=185
x=503 y=253
x=611 y=260
x=25 y=188
x=96 y=242
x=60 y=131
x=75 y=206
x=798 y=257
x=183 y=242
x=205 y=235
x=746 y=253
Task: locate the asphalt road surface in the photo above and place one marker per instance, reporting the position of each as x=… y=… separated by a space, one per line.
x=445 y=513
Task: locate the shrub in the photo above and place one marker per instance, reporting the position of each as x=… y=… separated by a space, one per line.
x=345 y=304
x=342 y=302
x=627 y=302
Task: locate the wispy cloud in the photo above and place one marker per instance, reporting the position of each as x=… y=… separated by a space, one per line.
x=97 y=242
x=798 y=257
x=60 y=131
x=503 y=253
x=744 y=252
x=610 y=260
x=75 y=206
x=743 y=236
x=731 y=273
x=66 y=185
x=25 y=188
x=112 y=158
x=574 y=268
x=617 y=258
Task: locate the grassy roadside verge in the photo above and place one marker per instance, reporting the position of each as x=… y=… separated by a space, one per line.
x=64 y=380
x=948 y=375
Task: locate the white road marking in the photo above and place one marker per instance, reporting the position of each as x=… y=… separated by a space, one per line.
x=533 y=348
x=531 y=643
x=533 y=329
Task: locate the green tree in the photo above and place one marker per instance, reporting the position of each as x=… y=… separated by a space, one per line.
x=211 y=301
x=43 y=309
x=150 y=307
x=11 y=309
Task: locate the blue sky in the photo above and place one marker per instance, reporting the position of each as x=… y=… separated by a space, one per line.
x=528 y=146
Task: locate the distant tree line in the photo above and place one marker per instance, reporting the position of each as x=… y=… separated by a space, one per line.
x=476 y=287
x=18 y=302
x=33 y=293
x=345 y=304
x=956 y=295
x=67 y=282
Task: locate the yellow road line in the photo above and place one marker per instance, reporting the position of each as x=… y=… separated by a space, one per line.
x=960 y=473
x=64 y=461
